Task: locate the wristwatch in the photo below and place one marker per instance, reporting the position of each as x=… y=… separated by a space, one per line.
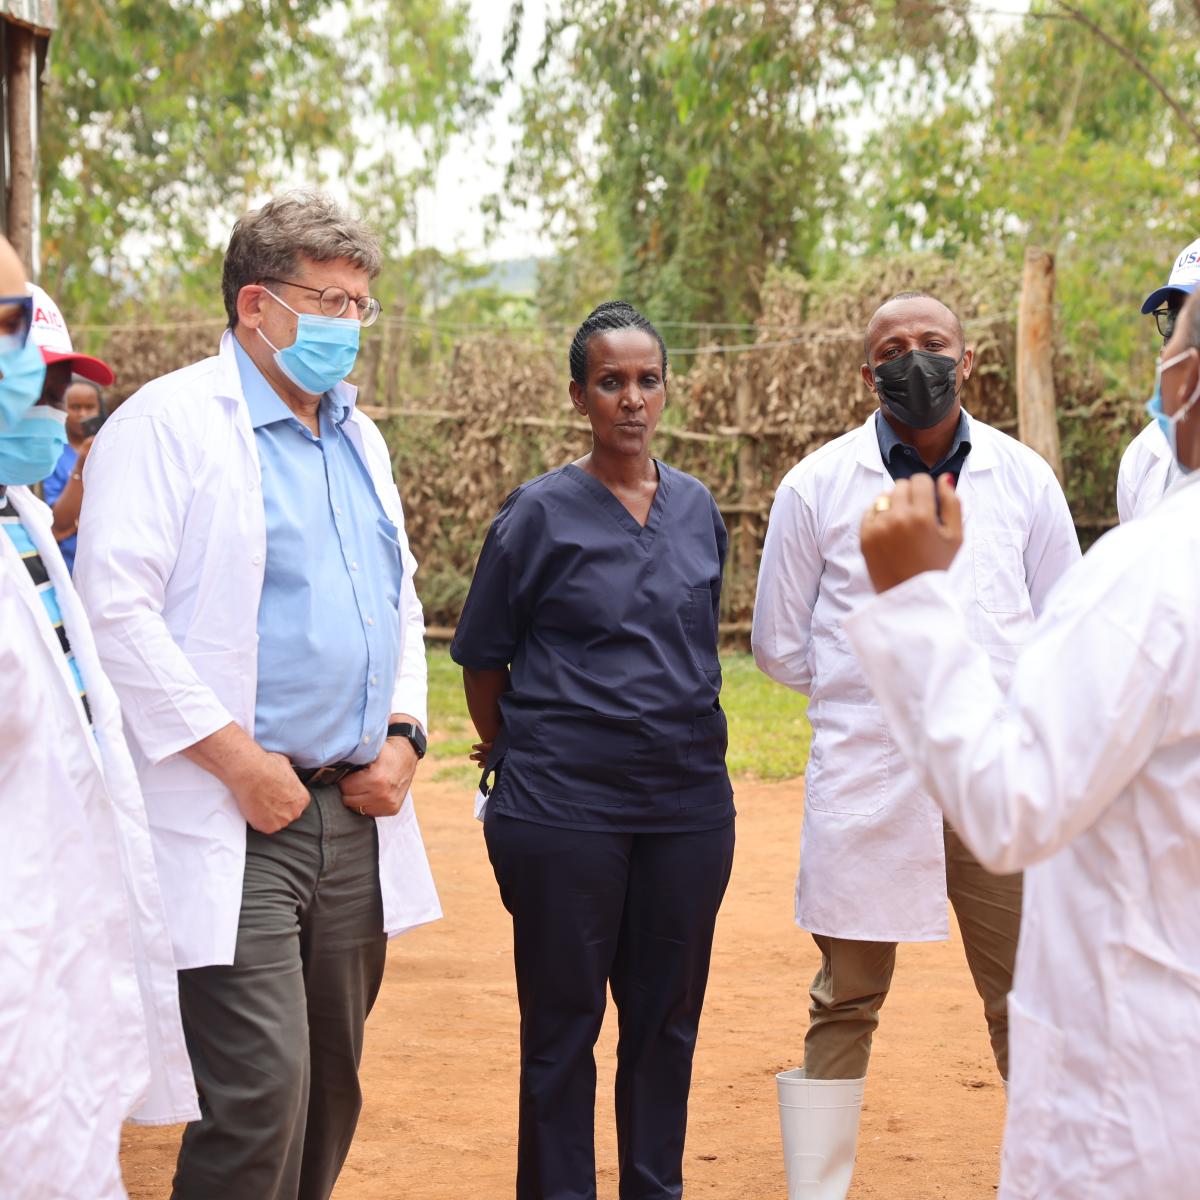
x=412 y=731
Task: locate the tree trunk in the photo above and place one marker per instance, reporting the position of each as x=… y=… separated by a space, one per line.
x=1037 y=421
x=20 y=68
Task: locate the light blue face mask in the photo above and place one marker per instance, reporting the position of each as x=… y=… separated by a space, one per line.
x=30 y=450
x=22 y=373
x=1169 y=424
x=323 y=353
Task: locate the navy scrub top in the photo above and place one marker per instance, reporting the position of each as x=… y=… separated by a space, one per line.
x=614 y=719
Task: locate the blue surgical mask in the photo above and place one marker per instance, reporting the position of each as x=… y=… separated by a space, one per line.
x=30 y=450
x=323 y=353
x=22 y=373
x=1169 y=424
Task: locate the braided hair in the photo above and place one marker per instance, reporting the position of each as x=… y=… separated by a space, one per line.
x=605 y=318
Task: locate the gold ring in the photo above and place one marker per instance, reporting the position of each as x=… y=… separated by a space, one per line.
x=883 y=504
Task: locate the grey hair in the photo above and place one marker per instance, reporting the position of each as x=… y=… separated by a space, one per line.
x=962 y=338
x=266 y=243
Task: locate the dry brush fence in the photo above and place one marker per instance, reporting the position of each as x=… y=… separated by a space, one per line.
x=498 y=413
x=736 y=420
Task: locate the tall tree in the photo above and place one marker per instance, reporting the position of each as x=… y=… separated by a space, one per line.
x=680 y=148
x=1077 y=135
x=163 y=120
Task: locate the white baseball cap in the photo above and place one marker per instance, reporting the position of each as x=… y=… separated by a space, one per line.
x=1185 y=274
x=49 y=333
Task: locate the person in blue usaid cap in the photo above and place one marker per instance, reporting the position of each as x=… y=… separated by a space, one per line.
x=1147 y=468
x=588 y=643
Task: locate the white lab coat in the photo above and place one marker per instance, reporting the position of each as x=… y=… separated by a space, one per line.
x=872 y=864
x=1145 y=473
x=89 y=1008
x=172 y=546
x=1086 y=773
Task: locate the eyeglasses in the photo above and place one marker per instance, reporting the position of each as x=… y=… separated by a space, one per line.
x=1165 y=318
x=15 y=326
x=334 y=301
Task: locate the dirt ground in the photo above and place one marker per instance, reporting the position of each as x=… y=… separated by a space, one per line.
x=440 y=1067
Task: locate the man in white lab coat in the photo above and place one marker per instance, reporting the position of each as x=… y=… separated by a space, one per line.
x=1146 y=469
x=877 y=861
x=243 y=559
x=89 y=1012
x=1085 y=772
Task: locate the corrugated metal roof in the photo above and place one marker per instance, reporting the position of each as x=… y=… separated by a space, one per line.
x=42 y=14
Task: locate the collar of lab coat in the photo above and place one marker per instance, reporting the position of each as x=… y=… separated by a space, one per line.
x=981 y=458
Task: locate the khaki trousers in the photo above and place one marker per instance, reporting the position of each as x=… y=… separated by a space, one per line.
x=854 y=977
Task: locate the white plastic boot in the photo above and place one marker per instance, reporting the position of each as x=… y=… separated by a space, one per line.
x=819 y=1122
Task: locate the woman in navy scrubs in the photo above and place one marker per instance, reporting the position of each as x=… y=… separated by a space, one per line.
x=589 y=651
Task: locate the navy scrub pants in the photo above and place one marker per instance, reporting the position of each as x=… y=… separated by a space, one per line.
x=590 y=909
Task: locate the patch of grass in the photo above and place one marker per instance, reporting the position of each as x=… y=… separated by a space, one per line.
x=768 y=729
x=768 y=726
x=452 y=734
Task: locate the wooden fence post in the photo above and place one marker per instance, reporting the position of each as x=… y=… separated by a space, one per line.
x=1037 y=421
x=741 y=556
x=19 y=69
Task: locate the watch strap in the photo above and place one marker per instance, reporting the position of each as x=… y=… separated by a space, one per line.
x=410 y=730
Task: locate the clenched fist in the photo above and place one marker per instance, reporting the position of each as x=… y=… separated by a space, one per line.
x=902 y=534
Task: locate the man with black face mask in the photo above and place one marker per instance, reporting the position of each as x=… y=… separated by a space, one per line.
x=877 y=862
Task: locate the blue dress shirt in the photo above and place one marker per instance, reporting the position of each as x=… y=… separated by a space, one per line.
x=329 y=617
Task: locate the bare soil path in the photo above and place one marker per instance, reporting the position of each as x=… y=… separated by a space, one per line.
x=440 y=1069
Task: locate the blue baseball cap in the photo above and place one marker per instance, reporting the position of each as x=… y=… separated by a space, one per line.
x=1185 y=275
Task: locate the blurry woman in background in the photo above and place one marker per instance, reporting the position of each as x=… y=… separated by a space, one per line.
x=63 y=490
x=589 y=651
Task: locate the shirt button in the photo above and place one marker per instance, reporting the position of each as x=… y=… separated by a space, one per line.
x=366 y=741
x=374 y=680
x=354 y=566
x=370 y=621
x=256 y=559
x=337 y=510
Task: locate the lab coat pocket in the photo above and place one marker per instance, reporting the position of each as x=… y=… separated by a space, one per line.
x=701 y=625
x=999 y=561
x=848 y=763
x=1036 y=1063
x=1154 y=1061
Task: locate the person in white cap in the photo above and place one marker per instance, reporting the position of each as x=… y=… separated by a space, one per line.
x=74 y=379
x=90 y=1028
x=1146 y=469
x=1084 y=772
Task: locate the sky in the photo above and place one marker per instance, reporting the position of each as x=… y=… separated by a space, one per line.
x=449 y=214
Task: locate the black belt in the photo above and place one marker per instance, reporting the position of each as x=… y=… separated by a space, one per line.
x=326 y=776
